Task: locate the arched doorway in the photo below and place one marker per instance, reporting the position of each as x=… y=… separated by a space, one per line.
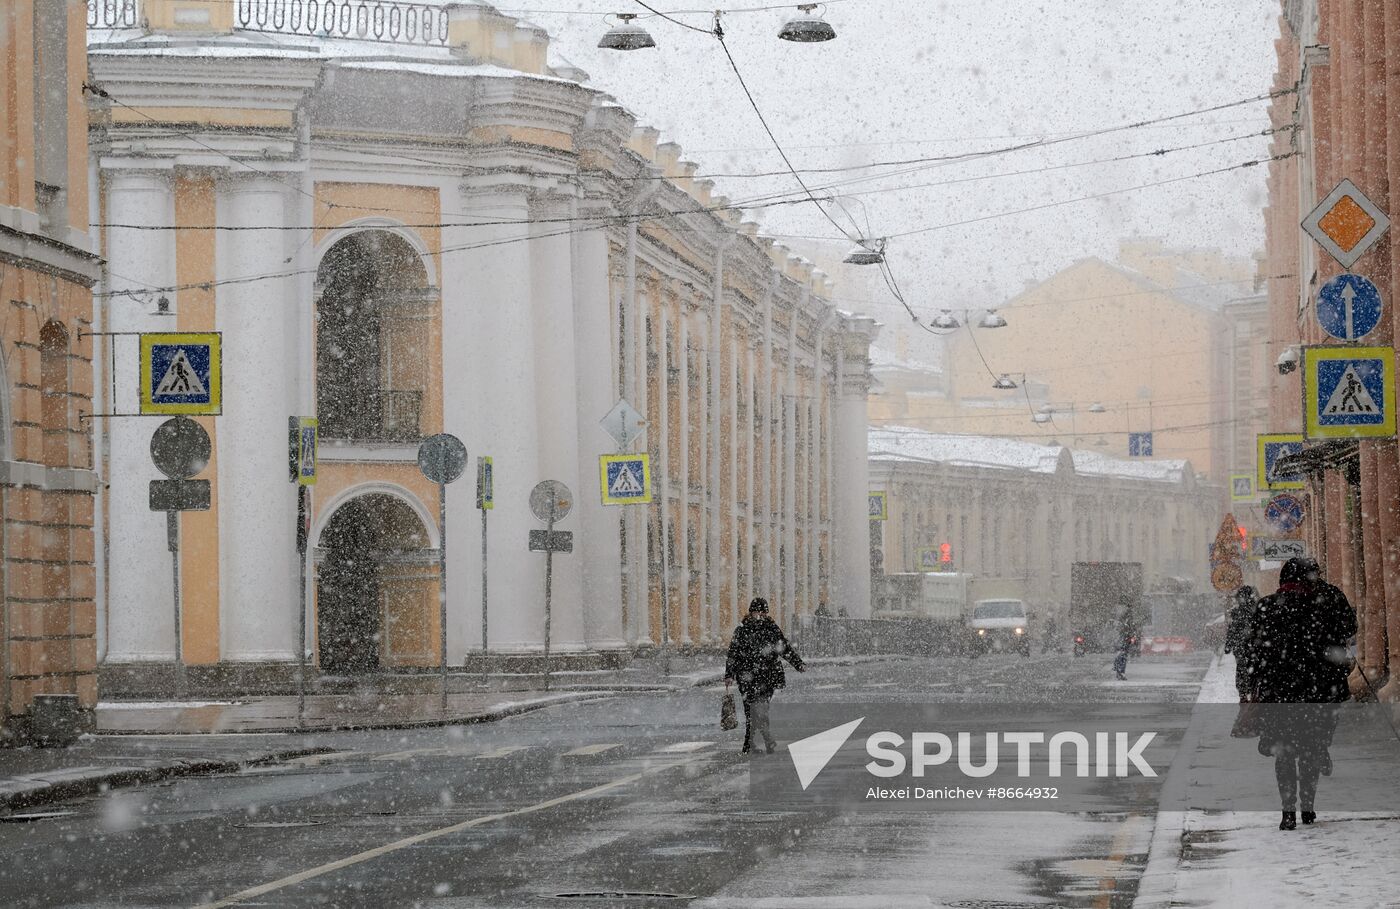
x=375 y=582
x=373 y=312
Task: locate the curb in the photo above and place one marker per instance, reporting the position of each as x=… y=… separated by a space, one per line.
x=463 y=720
x=61 y=785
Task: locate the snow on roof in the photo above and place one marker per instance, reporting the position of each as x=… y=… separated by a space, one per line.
x=882 y=358
x=903 y=443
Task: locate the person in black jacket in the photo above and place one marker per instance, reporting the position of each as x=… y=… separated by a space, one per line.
x=753 y=661
x=1299 y=651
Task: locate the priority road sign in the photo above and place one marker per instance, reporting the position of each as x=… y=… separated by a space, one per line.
x=1242 y=487
x=1284 y=513
x=877 y=507
x=1349 y=392
x=1272 y=447
x=1346 y=223
x=625 y=478
x=181 y=372
x=1348 y=307
x=623 y=423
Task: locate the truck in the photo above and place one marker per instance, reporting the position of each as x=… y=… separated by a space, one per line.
x=1106 y=598
x=955 y=612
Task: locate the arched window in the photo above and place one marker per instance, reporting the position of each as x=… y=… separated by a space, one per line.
x=54 y=396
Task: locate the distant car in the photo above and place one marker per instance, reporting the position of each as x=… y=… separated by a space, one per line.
x=1000 y=625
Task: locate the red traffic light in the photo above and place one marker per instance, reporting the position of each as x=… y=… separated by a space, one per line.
x=945 y=552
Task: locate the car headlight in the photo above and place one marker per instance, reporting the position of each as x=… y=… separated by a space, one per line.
x=982 y=631
x=1020 y=631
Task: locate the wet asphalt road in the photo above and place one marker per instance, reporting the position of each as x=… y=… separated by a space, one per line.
x=635 y=794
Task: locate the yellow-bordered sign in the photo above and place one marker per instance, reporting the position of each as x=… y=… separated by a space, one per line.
x=181 y=372
x=1242 y=487
x=1273 y=446
x=303 y=446
x=625 y=478
x=878 y=507
x=1349 y=392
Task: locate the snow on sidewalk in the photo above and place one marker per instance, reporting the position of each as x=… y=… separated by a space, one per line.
x=1227 y=858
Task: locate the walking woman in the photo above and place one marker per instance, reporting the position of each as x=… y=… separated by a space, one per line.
x=753 y=661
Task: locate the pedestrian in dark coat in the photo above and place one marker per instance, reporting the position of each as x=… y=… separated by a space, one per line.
x=1301 y=660
x=1239 y=640
x=755 y=661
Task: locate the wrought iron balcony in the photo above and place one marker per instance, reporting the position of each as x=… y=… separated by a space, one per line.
x=385 y=21
x=112 y=14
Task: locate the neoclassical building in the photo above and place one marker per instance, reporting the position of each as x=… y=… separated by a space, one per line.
x=1024 y=512
x=414 y=221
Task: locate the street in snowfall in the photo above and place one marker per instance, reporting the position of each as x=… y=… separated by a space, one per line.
x=461 y=453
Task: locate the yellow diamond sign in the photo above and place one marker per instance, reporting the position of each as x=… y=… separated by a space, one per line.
x=1346 y=223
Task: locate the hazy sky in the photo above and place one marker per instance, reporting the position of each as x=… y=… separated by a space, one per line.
x=916 y=79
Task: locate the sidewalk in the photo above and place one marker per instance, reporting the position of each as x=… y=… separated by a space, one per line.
x=1202 y=857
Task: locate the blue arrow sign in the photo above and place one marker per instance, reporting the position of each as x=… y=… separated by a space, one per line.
x=1348 y=307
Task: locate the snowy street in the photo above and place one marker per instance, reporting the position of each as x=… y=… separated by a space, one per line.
x=637 y=794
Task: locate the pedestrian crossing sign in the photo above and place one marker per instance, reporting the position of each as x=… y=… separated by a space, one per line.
x=877 y=506
x=1272 y=447
x=181 y=373
x=928 y=559
x=1349 y=392
x=1242 y=487
x=625 y=479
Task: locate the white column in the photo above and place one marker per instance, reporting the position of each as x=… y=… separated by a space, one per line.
x=684 y=533
x=851 y=562
x=597 y=546
x=488 y=375
x=790 y=465
x=751 y=459
x=663 y=484
x=258 y=561
x=814 y=472
x=141 y=611
x=715 y=559
x=640 y=612
x=737 y=348
x=557 y=407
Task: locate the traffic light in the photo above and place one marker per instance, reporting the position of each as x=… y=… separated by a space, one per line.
x=1244 y=540
x=945 y=553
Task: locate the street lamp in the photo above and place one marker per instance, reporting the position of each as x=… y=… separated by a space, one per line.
x=807 y=28
x=625 y=36
x=1005 y=383
x=1040 y=417
x=992 y=320
x=866 y=252
x=946 y=319
x=1096 y=407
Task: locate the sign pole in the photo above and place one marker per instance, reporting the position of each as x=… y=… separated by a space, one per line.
x=172 y=538
x=442 y=590
x=548 y=588
x=302 y=534
x=481 y=503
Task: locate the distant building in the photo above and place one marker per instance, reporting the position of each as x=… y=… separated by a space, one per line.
x=1098 y=351
x=47 y=270
x=404 y=233
x=1024 y=512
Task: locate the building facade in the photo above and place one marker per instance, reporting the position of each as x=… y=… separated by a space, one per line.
x=1335 y=111
x=1101 y=350
x=443 y=229
x=1022 y=513
x=47 y=270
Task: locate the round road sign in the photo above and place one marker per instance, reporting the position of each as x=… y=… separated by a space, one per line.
x=551 y=501
x=1348 y=307
x=1226 y=577
x=442 y=457
x=180 y=448
x=1284 y=513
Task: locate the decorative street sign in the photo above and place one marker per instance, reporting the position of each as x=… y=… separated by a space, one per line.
x=1348 y=307
x=1272 y=447
x=1349 y=392
x=1284 y=513
x=302 y=443
x=551 y=541
x=1226 y=576
x=1346 y=223
x=624 y=424
x=1242 y=487
x=1139 y=444
x=625 y=478
x=1278 y=550
x=877 y=507
x=442 y=458
x=181 y=373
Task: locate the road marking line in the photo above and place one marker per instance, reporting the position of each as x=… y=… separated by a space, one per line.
x=411 y=753
x=501 y=752
x=591 y=749
x=684 y=746
x=312 y=760
x=387 y=848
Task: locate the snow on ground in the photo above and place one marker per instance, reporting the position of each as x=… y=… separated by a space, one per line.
x=162 y=705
